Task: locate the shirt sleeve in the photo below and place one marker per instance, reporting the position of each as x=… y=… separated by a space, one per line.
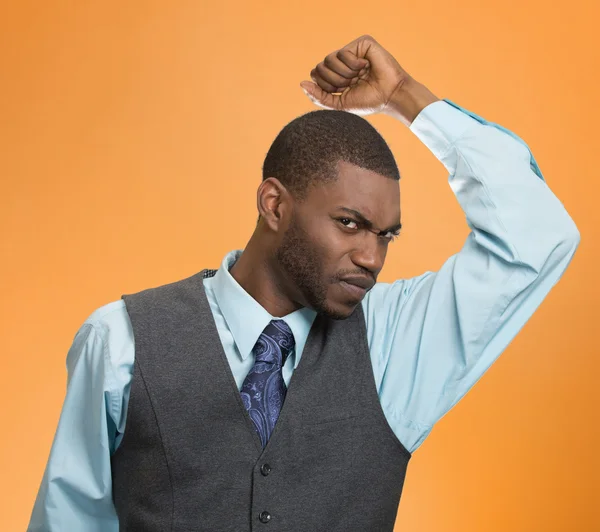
x=435 y=335
x=76 y=488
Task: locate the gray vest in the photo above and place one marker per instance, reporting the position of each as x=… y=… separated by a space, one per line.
x=191 y=460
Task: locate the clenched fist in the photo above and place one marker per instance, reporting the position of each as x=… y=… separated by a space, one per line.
x=363 y=78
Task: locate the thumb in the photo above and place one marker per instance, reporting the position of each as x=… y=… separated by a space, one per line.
x=319 y=97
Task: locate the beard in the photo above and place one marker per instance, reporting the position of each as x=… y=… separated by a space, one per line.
x=303 y=266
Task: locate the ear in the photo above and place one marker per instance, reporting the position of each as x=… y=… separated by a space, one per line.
x=273 y=202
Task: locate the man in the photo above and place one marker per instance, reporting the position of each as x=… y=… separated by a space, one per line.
x=181 y=412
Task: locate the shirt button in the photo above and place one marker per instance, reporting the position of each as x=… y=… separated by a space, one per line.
x=265 y=469
x=264 y=517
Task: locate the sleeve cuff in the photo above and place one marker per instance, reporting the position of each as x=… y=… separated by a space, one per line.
x=439 y=125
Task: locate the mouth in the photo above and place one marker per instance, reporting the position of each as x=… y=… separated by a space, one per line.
x=357 y=292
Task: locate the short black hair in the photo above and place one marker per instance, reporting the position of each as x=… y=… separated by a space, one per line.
x=308 y=149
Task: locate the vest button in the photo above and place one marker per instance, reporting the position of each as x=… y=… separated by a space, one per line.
x=265 y=469
x=264 y=517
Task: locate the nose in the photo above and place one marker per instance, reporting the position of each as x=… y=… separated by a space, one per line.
x=370 y=253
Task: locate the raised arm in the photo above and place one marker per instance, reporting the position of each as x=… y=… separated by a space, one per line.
x=437 y=334
x=433 y=336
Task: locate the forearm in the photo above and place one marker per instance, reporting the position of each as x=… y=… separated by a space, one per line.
x=512 y=212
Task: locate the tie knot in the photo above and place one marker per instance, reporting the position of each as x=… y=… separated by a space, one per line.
x=275 y=343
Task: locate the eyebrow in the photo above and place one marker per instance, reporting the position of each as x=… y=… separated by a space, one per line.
x=366 y=222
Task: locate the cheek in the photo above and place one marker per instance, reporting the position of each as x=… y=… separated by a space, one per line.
x=328 y=246
x=331 y=245
x=330 y=237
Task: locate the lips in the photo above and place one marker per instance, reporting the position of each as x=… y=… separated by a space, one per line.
x=356 y=286
x=361 y=282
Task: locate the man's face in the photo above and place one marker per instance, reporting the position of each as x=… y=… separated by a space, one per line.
x=327 y=240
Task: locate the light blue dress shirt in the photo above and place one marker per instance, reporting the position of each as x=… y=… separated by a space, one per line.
x=431 y=337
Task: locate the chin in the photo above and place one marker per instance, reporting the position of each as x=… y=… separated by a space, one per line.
x=338 y=311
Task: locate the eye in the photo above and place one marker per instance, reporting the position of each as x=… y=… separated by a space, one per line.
x=391 y=236
x=345 y=221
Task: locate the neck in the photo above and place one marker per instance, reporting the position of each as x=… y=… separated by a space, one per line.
x=255 y=272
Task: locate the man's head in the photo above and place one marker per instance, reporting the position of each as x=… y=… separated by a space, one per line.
x=329 y=205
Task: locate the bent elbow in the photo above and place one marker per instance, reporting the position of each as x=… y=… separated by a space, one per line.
x=569 y=240
x=565 y=245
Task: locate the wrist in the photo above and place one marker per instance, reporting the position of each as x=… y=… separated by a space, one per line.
x=408 y=100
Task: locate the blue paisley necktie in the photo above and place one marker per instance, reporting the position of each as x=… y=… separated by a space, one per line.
x=263 y=390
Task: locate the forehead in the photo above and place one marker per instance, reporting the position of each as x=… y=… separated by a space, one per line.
x=377 y=197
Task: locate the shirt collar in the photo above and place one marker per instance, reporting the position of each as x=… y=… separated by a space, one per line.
x=246 y=318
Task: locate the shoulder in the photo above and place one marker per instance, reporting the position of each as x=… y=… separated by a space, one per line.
x=109 y=327
x=109 y=318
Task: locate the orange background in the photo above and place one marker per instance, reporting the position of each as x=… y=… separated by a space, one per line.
x=132 y=136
